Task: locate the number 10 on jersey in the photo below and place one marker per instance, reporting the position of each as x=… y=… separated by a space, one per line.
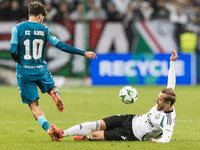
x=36 y=49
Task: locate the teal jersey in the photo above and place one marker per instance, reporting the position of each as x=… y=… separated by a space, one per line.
x=31 y=39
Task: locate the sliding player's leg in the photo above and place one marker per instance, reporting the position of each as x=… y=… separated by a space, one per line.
x=82 y=129
x=96 y=135
x=90 y=127
x=115 y=128
x=79 y=129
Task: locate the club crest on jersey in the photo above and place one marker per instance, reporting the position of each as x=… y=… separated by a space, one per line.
x=157 y=116
x=52 y=33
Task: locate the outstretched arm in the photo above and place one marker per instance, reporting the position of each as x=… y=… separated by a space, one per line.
x=167 y=133
x=53 y=40
x=70 y=49
x=171 y=75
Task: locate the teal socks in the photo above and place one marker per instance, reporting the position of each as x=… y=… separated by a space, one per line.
x=43 y=122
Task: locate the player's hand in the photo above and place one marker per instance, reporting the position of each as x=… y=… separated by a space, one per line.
x=90 y=55
x=174 y=56
x=154 y=140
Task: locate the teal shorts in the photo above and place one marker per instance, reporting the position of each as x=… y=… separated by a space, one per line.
x=28 y=88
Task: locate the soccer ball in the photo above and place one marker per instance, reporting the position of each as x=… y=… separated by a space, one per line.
x=128 y=95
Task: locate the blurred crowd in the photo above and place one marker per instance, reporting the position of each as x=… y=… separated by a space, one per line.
x=185 y=14
x=178 y=11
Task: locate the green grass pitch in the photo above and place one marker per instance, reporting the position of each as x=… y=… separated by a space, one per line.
x=19 y=130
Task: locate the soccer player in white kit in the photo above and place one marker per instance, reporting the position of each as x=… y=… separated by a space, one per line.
x=156 y=125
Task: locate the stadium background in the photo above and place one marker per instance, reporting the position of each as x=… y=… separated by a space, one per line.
x=137 y=27
x=133 y=34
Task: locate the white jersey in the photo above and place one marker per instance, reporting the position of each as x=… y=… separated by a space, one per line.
x=156 y=124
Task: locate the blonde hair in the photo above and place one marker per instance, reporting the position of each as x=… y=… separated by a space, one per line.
x=170 y=95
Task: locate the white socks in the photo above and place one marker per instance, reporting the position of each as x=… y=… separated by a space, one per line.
x=83 y=128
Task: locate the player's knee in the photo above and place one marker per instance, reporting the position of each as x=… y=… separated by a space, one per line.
x=102 y=125
x=98 y=135
x=94 y=135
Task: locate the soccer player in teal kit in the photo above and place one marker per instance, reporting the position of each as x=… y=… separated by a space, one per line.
x=28 y=44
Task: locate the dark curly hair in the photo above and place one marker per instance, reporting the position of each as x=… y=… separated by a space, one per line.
x=35 y=8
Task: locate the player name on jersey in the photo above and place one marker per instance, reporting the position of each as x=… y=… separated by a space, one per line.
x=28 y=32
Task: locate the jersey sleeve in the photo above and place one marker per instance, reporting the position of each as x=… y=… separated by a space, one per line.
x=171 y=76
x=51 y=38
x=14 y=43
x=69 y=49
x=14 y=36
x=168 y=127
